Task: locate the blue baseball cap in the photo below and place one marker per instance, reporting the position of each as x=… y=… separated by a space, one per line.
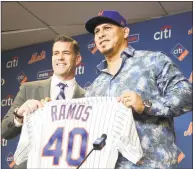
x=105 y=17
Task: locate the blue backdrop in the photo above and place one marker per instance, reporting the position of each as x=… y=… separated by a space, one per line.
x=171 y=34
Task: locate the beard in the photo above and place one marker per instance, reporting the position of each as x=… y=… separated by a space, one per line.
x=107 y=51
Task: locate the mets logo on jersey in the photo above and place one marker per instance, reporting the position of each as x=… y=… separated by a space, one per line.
x=180 y=52
x=10 y=160
x=92 y=46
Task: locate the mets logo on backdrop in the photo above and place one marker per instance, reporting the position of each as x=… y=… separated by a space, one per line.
x=190 y=31
x=92 y=47
x=191 y=77
x=181 y=156
x=188 y=132
x=180 y=52
x=37 y=57
x=10 y=160
x=21 y=77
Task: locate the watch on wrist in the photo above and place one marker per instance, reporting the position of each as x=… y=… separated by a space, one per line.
x=147 y=105
x=17 y=115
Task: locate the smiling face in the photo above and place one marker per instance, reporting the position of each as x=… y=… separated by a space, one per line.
x=110 y=38
x=64 y=60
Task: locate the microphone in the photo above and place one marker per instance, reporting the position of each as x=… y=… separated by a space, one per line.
x=100 y=142
x=97 y=145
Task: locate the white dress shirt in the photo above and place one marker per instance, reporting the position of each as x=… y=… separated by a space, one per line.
x=55 y=90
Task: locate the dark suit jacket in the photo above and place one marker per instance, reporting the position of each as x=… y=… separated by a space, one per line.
x=31 y=90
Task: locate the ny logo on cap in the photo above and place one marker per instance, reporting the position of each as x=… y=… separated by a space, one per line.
x=100 y=13
x=122 y=23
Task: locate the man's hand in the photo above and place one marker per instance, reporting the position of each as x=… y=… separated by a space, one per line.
x=29 y=106
x=47 y=99
x=133 y=100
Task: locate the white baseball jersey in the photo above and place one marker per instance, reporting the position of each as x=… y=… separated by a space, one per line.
x=61 y=134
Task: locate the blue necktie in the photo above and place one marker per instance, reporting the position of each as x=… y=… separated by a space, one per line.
x=61 y=95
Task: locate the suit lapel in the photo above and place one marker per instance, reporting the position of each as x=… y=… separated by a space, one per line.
x=77 y=92
x=44 y=88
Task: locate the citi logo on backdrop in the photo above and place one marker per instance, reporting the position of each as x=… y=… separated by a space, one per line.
x=180 y=52
x=2 y=81
x=92 y=47
x=164 y=33
x=10 y=160
x=21 y=77
x=80 y=69
x=8 y=101
x=12 y=63
x=3 y=142
x=37 y=57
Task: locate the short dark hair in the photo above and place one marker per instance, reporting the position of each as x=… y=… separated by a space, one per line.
x=62 y=38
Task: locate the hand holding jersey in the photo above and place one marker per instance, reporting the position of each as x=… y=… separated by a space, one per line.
x=133 y=100
x=71 y=127
x=29 y=106
x=47 y=99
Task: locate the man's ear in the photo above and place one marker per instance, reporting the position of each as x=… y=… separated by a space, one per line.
x=78 y=59
x=126 y=32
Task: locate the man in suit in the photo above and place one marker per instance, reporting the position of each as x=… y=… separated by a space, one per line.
x=32 y=95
